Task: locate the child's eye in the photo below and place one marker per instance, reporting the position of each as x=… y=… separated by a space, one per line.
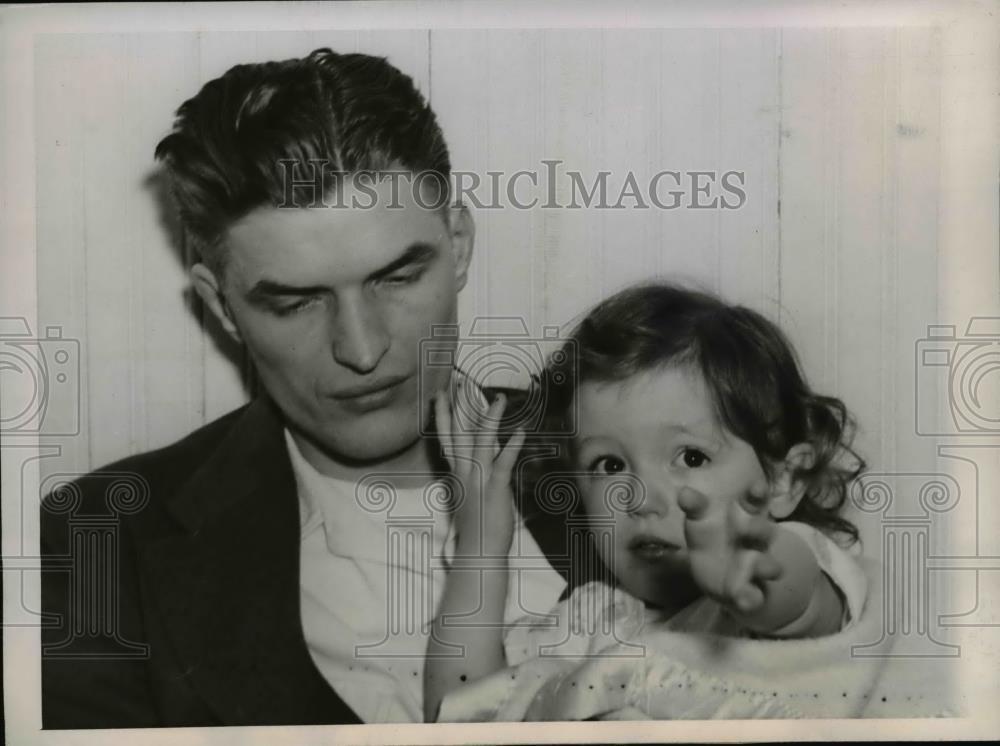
x=693 y=458
x=607 y=465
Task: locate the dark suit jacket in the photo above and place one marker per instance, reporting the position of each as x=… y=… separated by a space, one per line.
x=171 y=588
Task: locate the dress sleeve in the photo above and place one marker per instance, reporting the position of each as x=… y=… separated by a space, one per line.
x=592 y=618
x=839 y=565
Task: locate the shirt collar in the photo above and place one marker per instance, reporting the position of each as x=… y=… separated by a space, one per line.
x=353 y=529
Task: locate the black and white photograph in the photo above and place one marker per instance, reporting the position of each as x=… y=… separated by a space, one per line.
x=482 y=372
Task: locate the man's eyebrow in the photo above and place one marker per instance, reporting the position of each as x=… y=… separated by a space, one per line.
x=417 y=252
x=265 y=289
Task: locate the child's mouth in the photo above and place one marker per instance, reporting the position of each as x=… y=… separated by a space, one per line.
x=652 y=548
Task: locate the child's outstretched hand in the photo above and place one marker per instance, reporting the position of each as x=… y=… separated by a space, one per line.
x=728 y=544
x=484 y=518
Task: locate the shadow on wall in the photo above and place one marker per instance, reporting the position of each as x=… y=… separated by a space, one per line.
x=158 y=186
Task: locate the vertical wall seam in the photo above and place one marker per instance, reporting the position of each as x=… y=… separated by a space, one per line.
x=837 y=233
x=780 y=176
x=717 y=217
x=188 y=258
x=86 y=290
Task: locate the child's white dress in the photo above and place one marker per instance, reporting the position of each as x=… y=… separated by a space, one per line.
x=602 y=654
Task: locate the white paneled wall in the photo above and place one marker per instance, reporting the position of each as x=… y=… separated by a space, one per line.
x=837 y=131
x=870 y=165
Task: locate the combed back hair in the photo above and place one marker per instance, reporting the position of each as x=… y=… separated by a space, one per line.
x=351 y=112
x=749 y=367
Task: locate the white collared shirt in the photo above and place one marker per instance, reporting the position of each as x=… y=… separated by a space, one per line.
x=371 y=578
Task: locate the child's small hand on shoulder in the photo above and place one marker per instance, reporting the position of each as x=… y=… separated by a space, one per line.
x=484 y=521
x=484 y=515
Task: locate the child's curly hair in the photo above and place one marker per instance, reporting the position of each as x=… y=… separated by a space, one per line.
x=749 y=368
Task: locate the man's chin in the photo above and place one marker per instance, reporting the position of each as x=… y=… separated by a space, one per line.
x=369 y=440
x=357 y=452
x=370 y=443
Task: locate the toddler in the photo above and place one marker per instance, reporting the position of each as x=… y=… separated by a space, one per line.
x=718 y=477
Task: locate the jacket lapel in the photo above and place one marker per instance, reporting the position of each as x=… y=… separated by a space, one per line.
x=227 y=586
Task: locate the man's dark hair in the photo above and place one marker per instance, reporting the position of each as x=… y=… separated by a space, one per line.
x=351 y=112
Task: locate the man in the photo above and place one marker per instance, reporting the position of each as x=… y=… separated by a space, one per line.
x=255 y=585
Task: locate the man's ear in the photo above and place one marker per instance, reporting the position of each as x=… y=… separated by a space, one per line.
x=210 y=290
x=788 y=488
x=463 y=236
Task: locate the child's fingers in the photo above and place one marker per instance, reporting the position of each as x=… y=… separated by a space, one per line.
x=739 y=587
x=694 y=504
x=466 y=412
x=766 y=569
x=750 y=530
x=486 y=436
x=442 y=420
x=705 y=530
x=757 y=498
x=504 y=463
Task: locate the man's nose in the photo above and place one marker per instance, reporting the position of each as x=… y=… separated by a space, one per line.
x=360 y=338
